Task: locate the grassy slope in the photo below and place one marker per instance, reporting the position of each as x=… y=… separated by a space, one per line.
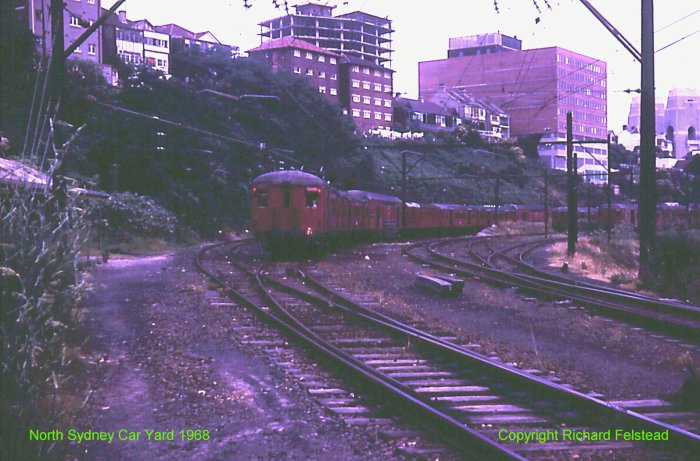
x=521 y=180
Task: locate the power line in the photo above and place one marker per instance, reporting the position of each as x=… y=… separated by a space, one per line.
x=679 y=40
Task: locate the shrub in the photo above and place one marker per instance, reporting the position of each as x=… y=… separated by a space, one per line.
x=678 y=263
x=128 y=214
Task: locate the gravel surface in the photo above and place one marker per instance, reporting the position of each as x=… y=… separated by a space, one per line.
x=161 y=357
x=582 y=349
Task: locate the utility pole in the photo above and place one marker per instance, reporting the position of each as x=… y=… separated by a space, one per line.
x=571 y=209
x=403 y=189
x=609 y=223
x=404 y=180
x=647 y=148
x=497 y=199
x=647 y=159
x=57 y=56
x=546 y=203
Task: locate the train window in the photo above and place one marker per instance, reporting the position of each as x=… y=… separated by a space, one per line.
x=312 y=196
x=286 y=198
x=261 y=197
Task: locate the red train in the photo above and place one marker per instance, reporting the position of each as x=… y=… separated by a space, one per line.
x=290 y=207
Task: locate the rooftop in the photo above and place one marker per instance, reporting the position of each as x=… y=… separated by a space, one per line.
x=291 y=42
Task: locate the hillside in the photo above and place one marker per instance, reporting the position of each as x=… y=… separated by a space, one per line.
x=194 y=142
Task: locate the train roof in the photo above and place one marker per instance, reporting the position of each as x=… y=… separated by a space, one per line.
x=364 y=195
x=288 y=178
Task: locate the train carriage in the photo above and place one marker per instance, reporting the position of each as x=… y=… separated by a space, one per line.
x=292 y=208
x=382 y=212
x=289 y=205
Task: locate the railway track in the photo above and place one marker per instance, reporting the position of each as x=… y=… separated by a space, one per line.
x=670 y=318
x=469 y=401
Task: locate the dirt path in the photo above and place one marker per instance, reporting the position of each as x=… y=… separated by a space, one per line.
x=163 y=358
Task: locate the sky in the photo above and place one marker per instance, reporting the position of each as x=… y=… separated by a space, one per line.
x=423 y=29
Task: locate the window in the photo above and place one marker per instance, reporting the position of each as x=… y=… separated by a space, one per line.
x=260 y=197
x=322 y=89
x=334 y=76
x=356 y=112
x=365 y=70
x=91 y=2
x=321 y=58
x=387 y=103
x=366 y=100
x=297 y=54
x=309 y=55
x=387 y=117
x=297 y=70
x=334 y=91
x=387 y=88
x=78 y=49
x=309 y=72
x=74 y=22
x=355 y=83
x=366 y=85
x=91 y=48
x=377 y=115
x=312 y=197
x=161 y=62
x=322 y=74
x=333 y=61
x=377 y=101
x=377 y=73
x=286 y=198
x=355 y=98
x=366 y=114
x=355 y=68
x=387 y=74
x=377 y=87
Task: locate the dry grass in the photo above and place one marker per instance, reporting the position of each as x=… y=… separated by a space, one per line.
x=614 y=262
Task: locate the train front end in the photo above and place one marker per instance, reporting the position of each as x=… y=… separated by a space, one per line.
x=288 y=210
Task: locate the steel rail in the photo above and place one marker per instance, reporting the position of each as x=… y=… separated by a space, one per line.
x=534 y=383
x=686 y=328
x=651 y=301
x=455 y=432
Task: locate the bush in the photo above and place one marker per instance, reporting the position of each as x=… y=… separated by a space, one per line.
x=678 y=263
x=128 y=214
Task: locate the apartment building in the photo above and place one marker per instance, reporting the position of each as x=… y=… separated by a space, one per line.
x=78 y=15
x=366 y=93
x=182 y=39
x=363 y=44
x=135 y=42
x=294 y=56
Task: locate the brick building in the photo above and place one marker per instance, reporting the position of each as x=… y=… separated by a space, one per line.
x=78 y=15
x=536 y=87
x=363 y=44
x=295 y=56
x=365 y=93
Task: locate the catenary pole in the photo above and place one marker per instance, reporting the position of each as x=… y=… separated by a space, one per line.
x=571 y=210
x=647 y=147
